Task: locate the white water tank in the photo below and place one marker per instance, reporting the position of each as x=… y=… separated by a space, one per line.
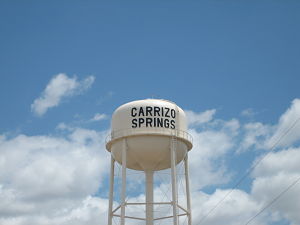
x=149 y=126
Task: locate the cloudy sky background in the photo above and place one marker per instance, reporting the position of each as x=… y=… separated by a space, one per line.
x=232 y=65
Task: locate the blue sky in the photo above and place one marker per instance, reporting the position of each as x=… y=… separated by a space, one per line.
x=237 y=58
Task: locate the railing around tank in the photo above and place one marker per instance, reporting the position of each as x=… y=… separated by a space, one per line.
x=153 y=131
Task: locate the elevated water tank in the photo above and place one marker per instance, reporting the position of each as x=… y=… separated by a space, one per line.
x=149 y=127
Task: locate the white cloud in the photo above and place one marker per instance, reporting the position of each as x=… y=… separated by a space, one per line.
x=255 y=135
x=44 y=177
x=99 y=116
x=265 y=136
x=195 y=119
x=286 y=121
x=206 y=157
x=59 y=87
x=235 y=210
x=275 y=162
x=272 y=176
x=90 y=210
x=46 y=180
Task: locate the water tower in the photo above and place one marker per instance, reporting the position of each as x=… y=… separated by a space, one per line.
x=149 y=135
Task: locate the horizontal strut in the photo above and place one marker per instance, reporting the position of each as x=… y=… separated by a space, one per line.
x=168 y=217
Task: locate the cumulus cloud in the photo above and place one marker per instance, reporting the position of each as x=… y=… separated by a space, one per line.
x=286 y=161
x=58 y=88
x=206 y=158
x=210 y=147
x=44 y=179
x=287 y=121
x=235 y=210
x=255 y=135
x=90 y=210
x=265 y=136
x=99 y=116
x=272 y=176
x=195 y=119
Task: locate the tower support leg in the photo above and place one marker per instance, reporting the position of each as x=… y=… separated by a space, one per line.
x=149 y=197
x=187 y=187
x=123 y=193
x=111 y=190
x=174 y=180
